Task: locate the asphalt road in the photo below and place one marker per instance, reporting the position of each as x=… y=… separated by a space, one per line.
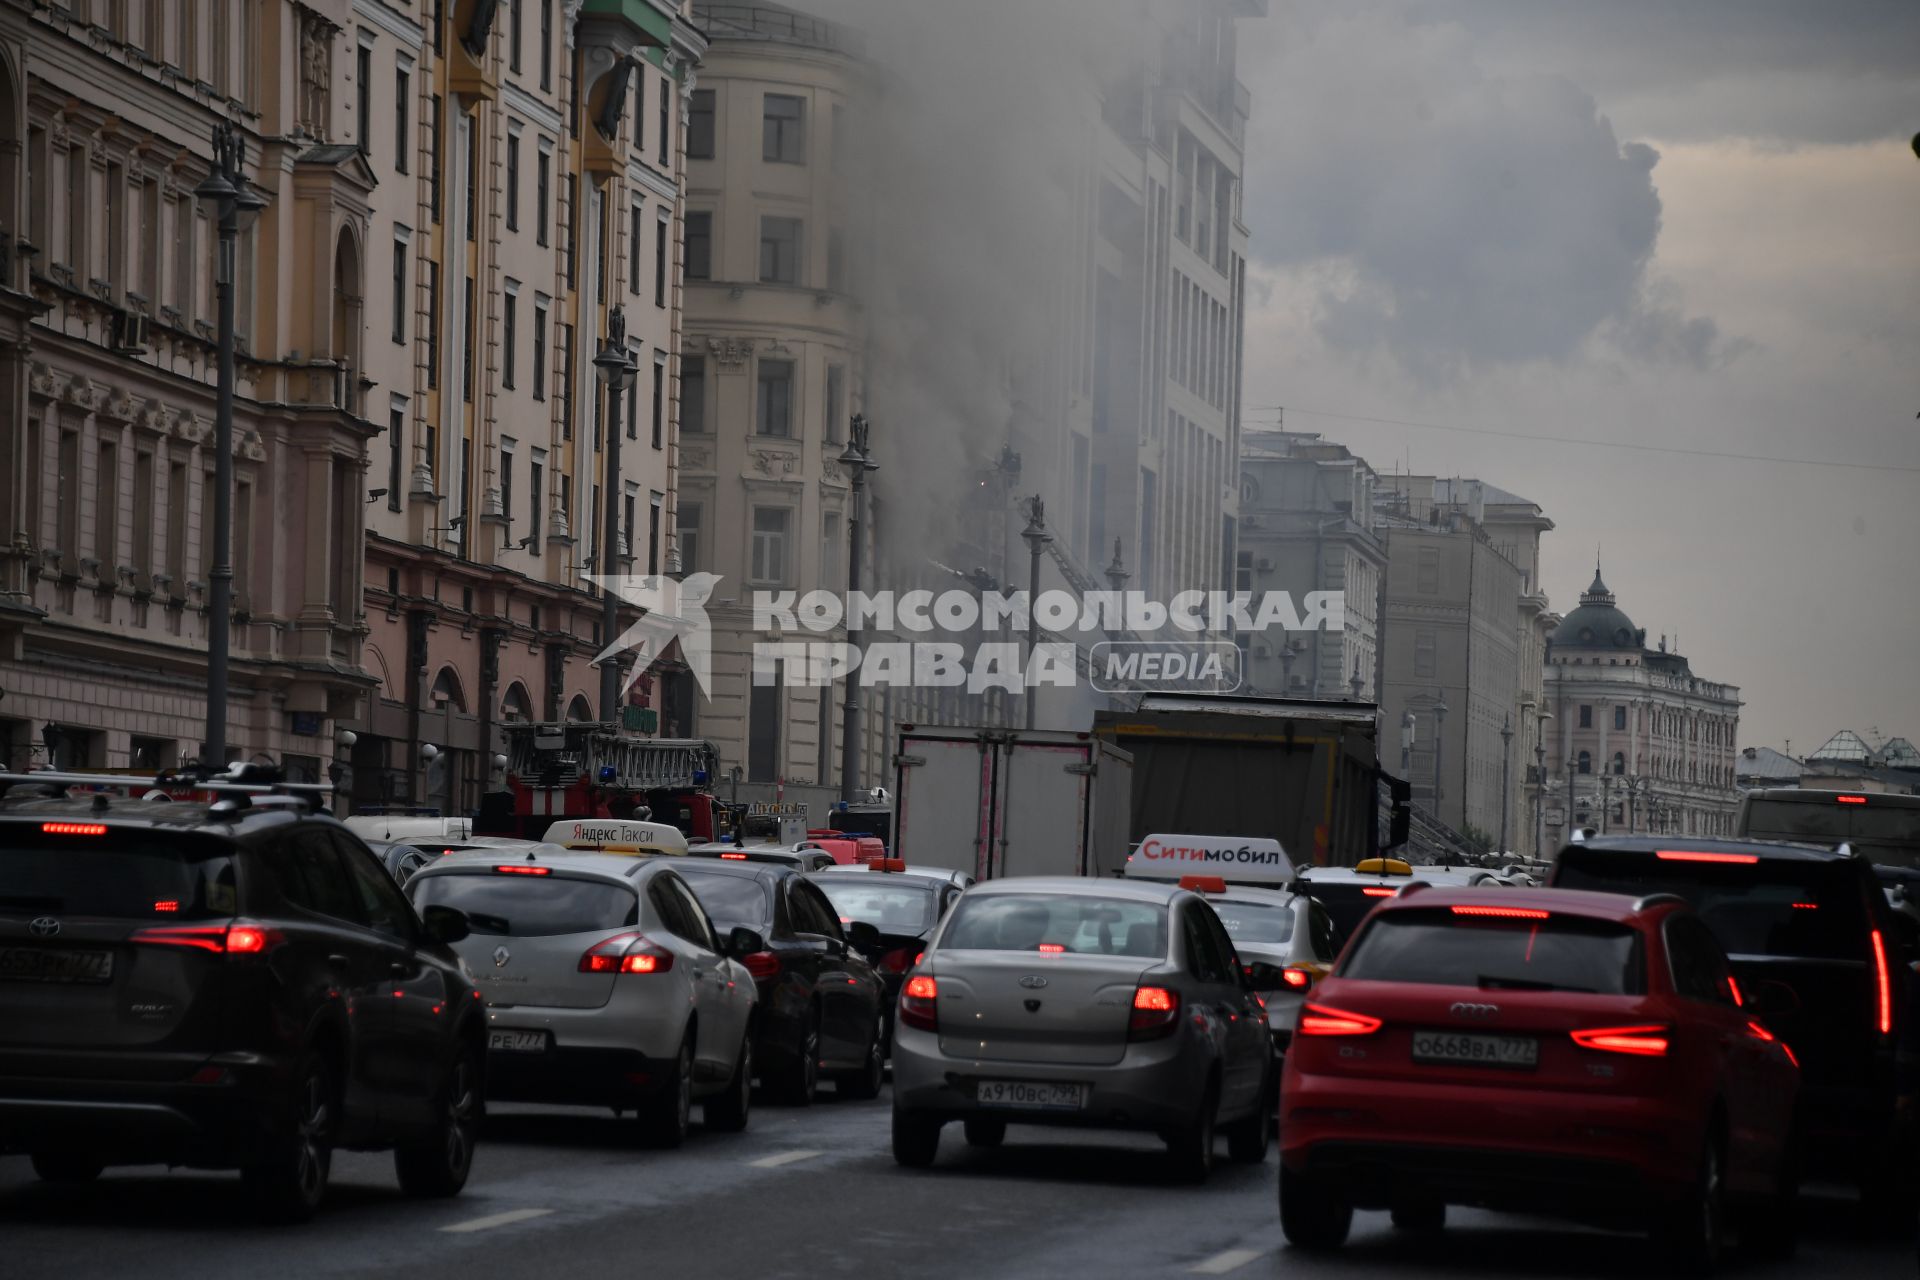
x=803 y=1193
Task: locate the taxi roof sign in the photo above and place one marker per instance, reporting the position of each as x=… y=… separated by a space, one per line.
x=1383 y=867
x=1241 y=859
x=613 y=835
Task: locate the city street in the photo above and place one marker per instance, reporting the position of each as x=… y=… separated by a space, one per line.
x=802 y=1193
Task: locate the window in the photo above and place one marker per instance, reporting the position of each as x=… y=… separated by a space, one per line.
x=434 y=154
x=633 y=397
x=363 y=87
x=700 y=125
x=433 y=324
x=693 y=393
x=639 y=110
x=536 y=492
x=381 y=904
x=636 y=236
x=783 y=138
x=106 y=508
x=774 y=415
x=771 y=527
x=780 y=250
x=539 y=349
x=656 y=503
x=546 y=43
x=1619 y=762
x=1586 y=762
x=602 y=242
x=466 y=344
x=311 y=877
x=176 y=523
x=687 y=534
x=627 y=501
x=659 y=399
x=699 y=246
x=542 y=194
x=513 y=177
x=399 y=289
x=573 y=231
x=1423 y=654
x=660 y=262
x=1586 y=717
x=1699 y=966
x=666 y=118
x=396 y=454
x=509 y=334
x=1619 y=717
x=836 y=401
x=143 y=512
x=830 y=556
x=402 y=102
x=566 y=382
x=514 y=35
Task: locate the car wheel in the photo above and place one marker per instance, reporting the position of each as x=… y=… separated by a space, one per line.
x=1248 y=1140
x=800 y=1080
x=65 y=1166
x=289 y=1179
x=436 y=1163
x=666 y=1116
x=726 y=1111
x=1695 y=1228
x=916 y=1139
x=1422 y=1217
x=985 y=1131
x=866 y=1083
x=1191 y=1149
x=1313 y=1216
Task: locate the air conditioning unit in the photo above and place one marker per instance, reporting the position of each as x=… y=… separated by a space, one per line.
x=130 y=332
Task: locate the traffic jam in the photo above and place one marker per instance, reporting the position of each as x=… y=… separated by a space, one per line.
x=1706 y=1046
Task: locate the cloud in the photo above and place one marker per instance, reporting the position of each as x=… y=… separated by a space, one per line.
x=1479 y=218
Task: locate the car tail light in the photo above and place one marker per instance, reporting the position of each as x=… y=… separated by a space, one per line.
x=240 y=938
x=1379 y=892
x=1503 y=913
x=1886 y=987
x=1156 y=1011
x=1051 y=948
x=898 y=961
x=734 y=857
x=1325 y=1020
x=1697 y=855
x=1649 y=1041
x=917 y=1003
x=625 y=953
x=73 y=828
x=1296 y=977
x=521 y=869
x=1849 y=799
x=1806 y=906
x=1733 y=989
x=167 y=904
x=762 y=965
x=1757 y=1031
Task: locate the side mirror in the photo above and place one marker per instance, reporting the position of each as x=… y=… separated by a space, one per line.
x=1262 y=976
x=446 y=924
x=862 y=935
x=742 y=941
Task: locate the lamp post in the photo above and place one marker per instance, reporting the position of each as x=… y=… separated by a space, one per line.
x=1117 y=575
x=1606 y=799
x=1540 y=780
x=858 y=461
x=1037 y=538
x=1406 y=745
x=1439 y=743
x=1571 y=764
x=234 y=204
x=1506 y=776
x=616 y=371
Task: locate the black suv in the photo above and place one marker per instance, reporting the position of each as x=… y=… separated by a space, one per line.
x=233 y=983
x=1816 y=950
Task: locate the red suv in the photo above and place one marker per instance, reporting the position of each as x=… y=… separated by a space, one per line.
x=1584 y=1055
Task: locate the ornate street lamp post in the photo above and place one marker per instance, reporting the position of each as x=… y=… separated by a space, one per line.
x=1506 y=776
x=1037 y=538
x=616 y=370
x=857 y=459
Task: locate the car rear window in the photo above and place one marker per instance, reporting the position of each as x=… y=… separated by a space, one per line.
x=1349 y=903
x=1441 y=947
x=120 y=875
x=1807 y=910
x=1255 y=922
x=891 y=907
x=528 y=906
x=1070 y=922
x=730 y=900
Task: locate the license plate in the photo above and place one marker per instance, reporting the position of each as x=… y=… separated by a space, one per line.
x=1030 y=1095
x=1475 y=1050
x=518 y=1041
x=55 y=964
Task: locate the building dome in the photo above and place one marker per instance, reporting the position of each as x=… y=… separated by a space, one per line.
x=1598 y=623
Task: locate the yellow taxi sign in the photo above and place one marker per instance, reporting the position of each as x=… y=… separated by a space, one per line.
x=613 y=835
x=1383 y=867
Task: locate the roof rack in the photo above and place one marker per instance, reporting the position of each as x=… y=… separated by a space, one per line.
x=232 y=793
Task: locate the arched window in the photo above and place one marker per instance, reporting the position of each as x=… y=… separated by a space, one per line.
x=517 y=705
x=578 y=708
x=446 y=690
x=1619 y=762
x=1586 y=762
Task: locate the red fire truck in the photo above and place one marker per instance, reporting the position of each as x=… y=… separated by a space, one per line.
x=594 y=769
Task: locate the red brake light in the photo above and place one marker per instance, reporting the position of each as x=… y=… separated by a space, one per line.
x=167 y=904
x=522 y=869
x=1503 y=913
x=1733 y=989
x=1325 y=1020
x=734 y=857
x=238 y=938
x=918 y=1008
x=1156 y=1011
x=1850 y=799
x=247 y=939
x=1886 y=987
x=1379 y=893
x=762 y=965
x=643 y=962
x=1696 y=855
x=73 y=828
x=1806 y=906
x=1297 y=978
x=625 y=953
x=1758 y=1031
x=1051 y=948
x=1648 y=1041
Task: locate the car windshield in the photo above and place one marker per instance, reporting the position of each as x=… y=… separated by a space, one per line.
x=891 y=907
x=1440 y=947
x=1348 y=901
x=1774 y=907
x=529 y=906
x=1886 y=829
x=730 y=900
x=123 y=874
x=1062 y=922
x=1256 y=922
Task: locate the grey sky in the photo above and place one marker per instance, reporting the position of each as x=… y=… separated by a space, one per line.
x=1682 y=225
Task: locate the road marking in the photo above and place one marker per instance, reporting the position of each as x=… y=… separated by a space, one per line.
x=498 y=1220
x=1221 y=1263
x=785 y=1157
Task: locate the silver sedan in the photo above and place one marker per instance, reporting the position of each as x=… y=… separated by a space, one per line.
x=1095 y=1003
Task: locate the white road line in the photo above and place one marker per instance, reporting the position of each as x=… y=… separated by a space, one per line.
x=785 y=1157
x=497 y=1220
x=1221 y=1263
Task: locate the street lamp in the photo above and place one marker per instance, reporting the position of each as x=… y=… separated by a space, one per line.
x=1572 y=763
x=858 y=461
x=1406 y=745
x=1506 y=775
x=1540 y=780
x=616 y=370
x=1439 y=743
x=234 y=204
x=1037 y=538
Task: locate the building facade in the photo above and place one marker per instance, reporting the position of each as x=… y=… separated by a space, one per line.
x=108 y=367
x=528 y=164
x=1643 y=743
